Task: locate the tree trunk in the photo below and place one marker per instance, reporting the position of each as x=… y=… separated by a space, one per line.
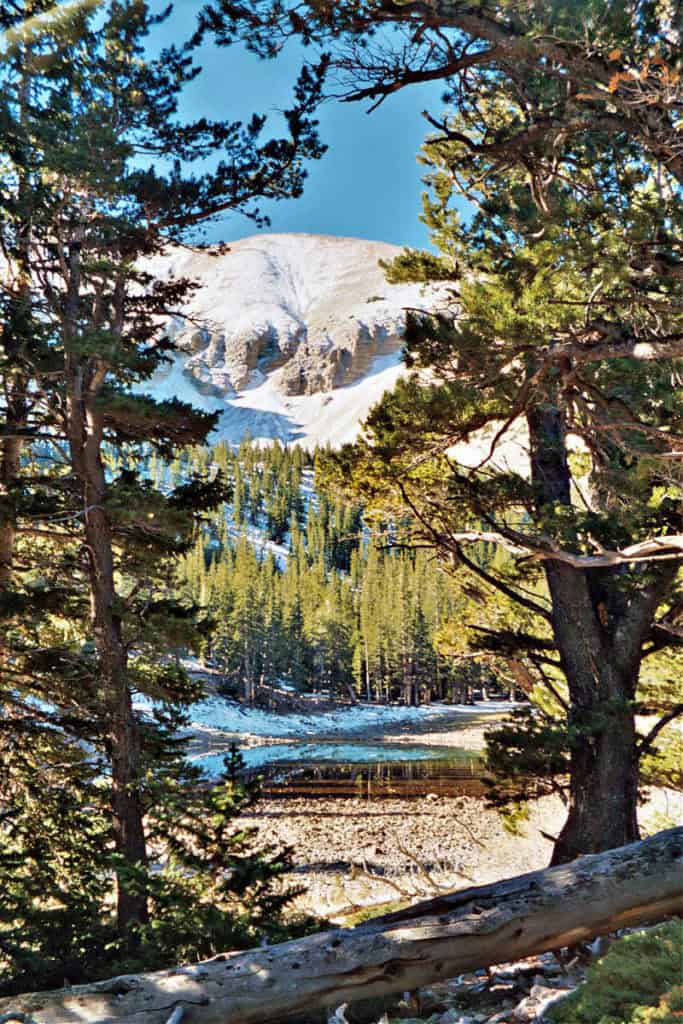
x=16 y=338
x=122 y=733
x=368 y=688
x=603 y=789
x=429 y=942
x=10 y=463
x=599 y=626
x=84 y=426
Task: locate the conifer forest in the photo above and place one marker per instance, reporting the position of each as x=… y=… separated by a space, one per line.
x=302 y=594
x=341 y=589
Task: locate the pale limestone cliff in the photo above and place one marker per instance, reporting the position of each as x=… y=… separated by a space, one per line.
x=311 y=311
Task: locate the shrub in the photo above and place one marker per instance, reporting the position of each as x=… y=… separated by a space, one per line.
x=638 y=981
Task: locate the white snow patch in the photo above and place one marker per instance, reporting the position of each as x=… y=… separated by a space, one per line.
x=277 y=283
x=333 y=417
x=223 y=715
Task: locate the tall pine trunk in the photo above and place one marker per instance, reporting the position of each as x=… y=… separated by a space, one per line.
x=121 y=728
x=599 y=627
x=85 y=377
x=16 y=335
x=10 y=462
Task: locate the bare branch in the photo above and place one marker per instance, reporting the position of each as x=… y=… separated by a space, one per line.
x=647 y=742
x=655 y=549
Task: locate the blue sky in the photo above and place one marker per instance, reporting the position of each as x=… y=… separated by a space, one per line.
x=368 y=184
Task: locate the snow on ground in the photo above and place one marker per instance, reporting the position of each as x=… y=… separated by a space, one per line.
x=333 y=417
x=222 y=715
x=257 y=538
x=330 y=416
x=261 y=410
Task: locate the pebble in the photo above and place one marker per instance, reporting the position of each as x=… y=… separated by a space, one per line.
x=537 y=1002
x=455 y=1017
x=496 y=998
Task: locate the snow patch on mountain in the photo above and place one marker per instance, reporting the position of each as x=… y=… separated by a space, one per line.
x=291 y=337
x=295 y=337
x=313 y=311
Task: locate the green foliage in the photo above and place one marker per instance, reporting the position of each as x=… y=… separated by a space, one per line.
x=220 y=887
x=638 y=981
x=99 y=174
x=664 y=765
x=529 y=757
x=54 y=855
x=553 y=341
x=336 y=611
x=214 y=887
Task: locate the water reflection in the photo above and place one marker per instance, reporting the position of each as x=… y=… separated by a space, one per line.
x=302 y=755
x=404 y=780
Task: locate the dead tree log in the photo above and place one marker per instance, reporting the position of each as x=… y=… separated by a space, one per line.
x=427 y=942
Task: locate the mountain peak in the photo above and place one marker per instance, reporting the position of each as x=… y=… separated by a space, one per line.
x=293 y=336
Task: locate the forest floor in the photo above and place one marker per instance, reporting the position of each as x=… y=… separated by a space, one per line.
x=354 y=853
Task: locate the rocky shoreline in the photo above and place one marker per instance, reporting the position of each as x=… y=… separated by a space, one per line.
x=452 y=729
x=360 y=855
x=355 y=854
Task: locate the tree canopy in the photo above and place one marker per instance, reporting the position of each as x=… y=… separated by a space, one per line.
x=98 y=175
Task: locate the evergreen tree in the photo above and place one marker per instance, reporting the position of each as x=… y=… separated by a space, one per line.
x=78 y=143
x=339 y=612
x=564 y=324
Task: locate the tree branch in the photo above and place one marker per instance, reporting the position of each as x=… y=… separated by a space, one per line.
x=499 y=585
x=545 y=549
x=647 y=742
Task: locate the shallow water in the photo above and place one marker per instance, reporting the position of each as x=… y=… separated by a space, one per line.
x=365 y=770
x=343 y=752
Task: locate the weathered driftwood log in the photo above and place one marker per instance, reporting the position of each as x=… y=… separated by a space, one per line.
x=429 y=941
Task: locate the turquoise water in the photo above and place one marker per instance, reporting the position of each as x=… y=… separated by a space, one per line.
x=297 y=754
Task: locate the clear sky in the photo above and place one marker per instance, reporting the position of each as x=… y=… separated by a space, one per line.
x=368 y=184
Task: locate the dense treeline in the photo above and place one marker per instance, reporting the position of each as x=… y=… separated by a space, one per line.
x=300 y=593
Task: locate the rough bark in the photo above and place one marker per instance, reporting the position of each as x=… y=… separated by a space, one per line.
x=10 y=460
x=15 y=335
x=599 y=627
x=430 y=941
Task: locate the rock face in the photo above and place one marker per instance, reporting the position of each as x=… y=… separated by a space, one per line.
x=312 y=310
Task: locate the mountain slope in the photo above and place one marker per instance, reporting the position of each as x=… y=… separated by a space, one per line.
x=293 y=337
x=314 y=311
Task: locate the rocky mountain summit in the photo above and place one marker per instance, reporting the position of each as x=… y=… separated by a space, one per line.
x=311 y=312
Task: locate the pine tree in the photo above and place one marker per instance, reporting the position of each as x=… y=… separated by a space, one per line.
x=105 y=108
x=565 y=324
x=565 y=137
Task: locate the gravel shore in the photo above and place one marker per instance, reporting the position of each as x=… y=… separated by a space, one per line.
x=356 y=853
x=352 y=853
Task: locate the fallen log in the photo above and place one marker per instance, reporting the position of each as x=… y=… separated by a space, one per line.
x=428 y=942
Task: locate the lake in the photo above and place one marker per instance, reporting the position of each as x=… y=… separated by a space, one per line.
x=355 y=769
